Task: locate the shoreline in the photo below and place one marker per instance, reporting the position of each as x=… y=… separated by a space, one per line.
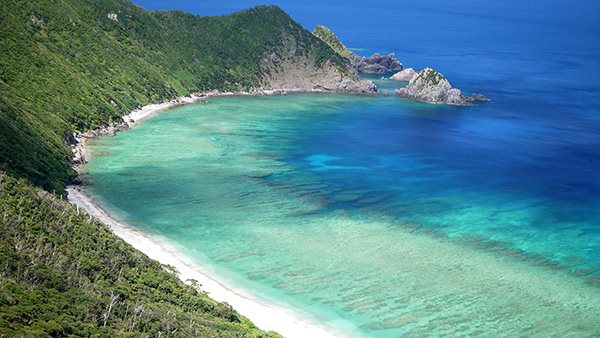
x=262 y=313
x=139 y=114
x=502 y=282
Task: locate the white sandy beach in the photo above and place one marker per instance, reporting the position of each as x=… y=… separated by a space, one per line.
x=142 y=113
x=266 y=316
x=262 y=313
x=508 y=293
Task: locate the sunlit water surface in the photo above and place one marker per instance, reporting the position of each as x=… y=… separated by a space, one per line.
x=378 y=215
x=386 y=217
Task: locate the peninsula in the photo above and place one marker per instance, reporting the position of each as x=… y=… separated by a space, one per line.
x=427 y=85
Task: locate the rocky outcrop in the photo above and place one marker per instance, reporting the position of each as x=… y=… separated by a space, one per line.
x=476 y=97
x=78 y=141
x=431 y=86
x=404 y=75
x=37 y=21
x=293 y=67
x=376 y=64
x=296 y=74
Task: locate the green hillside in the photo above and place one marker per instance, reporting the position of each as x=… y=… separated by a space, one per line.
x=64 y=274
x=329 y=37
x=72 y=65
x=68 y=66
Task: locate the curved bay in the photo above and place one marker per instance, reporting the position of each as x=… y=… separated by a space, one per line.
x=367 y=212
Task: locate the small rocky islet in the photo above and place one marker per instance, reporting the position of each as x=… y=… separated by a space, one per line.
x=432 y=87
x=426 y=85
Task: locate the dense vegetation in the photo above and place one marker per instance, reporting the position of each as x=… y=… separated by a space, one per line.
x=67 y=66
x=72 y=65
x=64 y=274
x=329 y=37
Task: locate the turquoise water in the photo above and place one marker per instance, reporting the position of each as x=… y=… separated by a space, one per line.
x=386 y=217
x=380 y=216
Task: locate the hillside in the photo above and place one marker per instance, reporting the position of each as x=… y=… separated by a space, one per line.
x=68 y=66
x=66 y=274
x=329 y=37
x=71 y=65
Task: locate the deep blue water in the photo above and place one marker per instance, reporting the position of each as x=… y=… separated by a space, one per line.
x=535 y=58
x=313 y=200
x=535 y=147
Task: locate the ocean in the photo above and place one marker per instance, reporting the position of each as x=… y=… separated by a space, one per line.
x=385 y=217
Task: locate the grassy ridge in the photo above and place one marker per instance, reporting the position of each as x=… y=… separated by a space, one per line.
x=65 y=66
x=65 y=274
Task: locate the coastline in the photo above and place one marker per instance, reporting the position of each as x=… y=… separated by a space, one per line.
x=500 y=281
x=262 y=313
x=140 y=114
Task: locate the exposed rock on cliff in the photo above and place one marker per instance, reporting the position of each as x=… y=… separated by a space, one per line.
x=298 y=74
x=404 y=75
x=289 y=67
x=431 y=86
x=302 y=61
x=375 y=64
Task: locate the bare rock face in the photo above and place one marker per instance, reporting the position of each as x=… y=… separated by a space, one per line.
x=38 y=21
x=354 y=86
x=431 y=86
x=293 y=68
x=404 y=75
x=297 y=73
x=376 y=64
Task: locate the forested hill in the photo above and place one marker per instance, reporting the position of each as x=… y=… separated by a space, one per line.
x=72 y=65
x=64 y=274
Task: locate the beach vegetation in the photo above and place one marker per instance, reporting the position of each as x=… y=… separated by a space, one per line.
x=69 y=66
x=64 y=273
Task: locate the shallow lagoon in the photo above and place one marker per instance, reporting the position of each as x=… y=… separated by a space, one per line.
x=380 y=216
x=387 y=217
